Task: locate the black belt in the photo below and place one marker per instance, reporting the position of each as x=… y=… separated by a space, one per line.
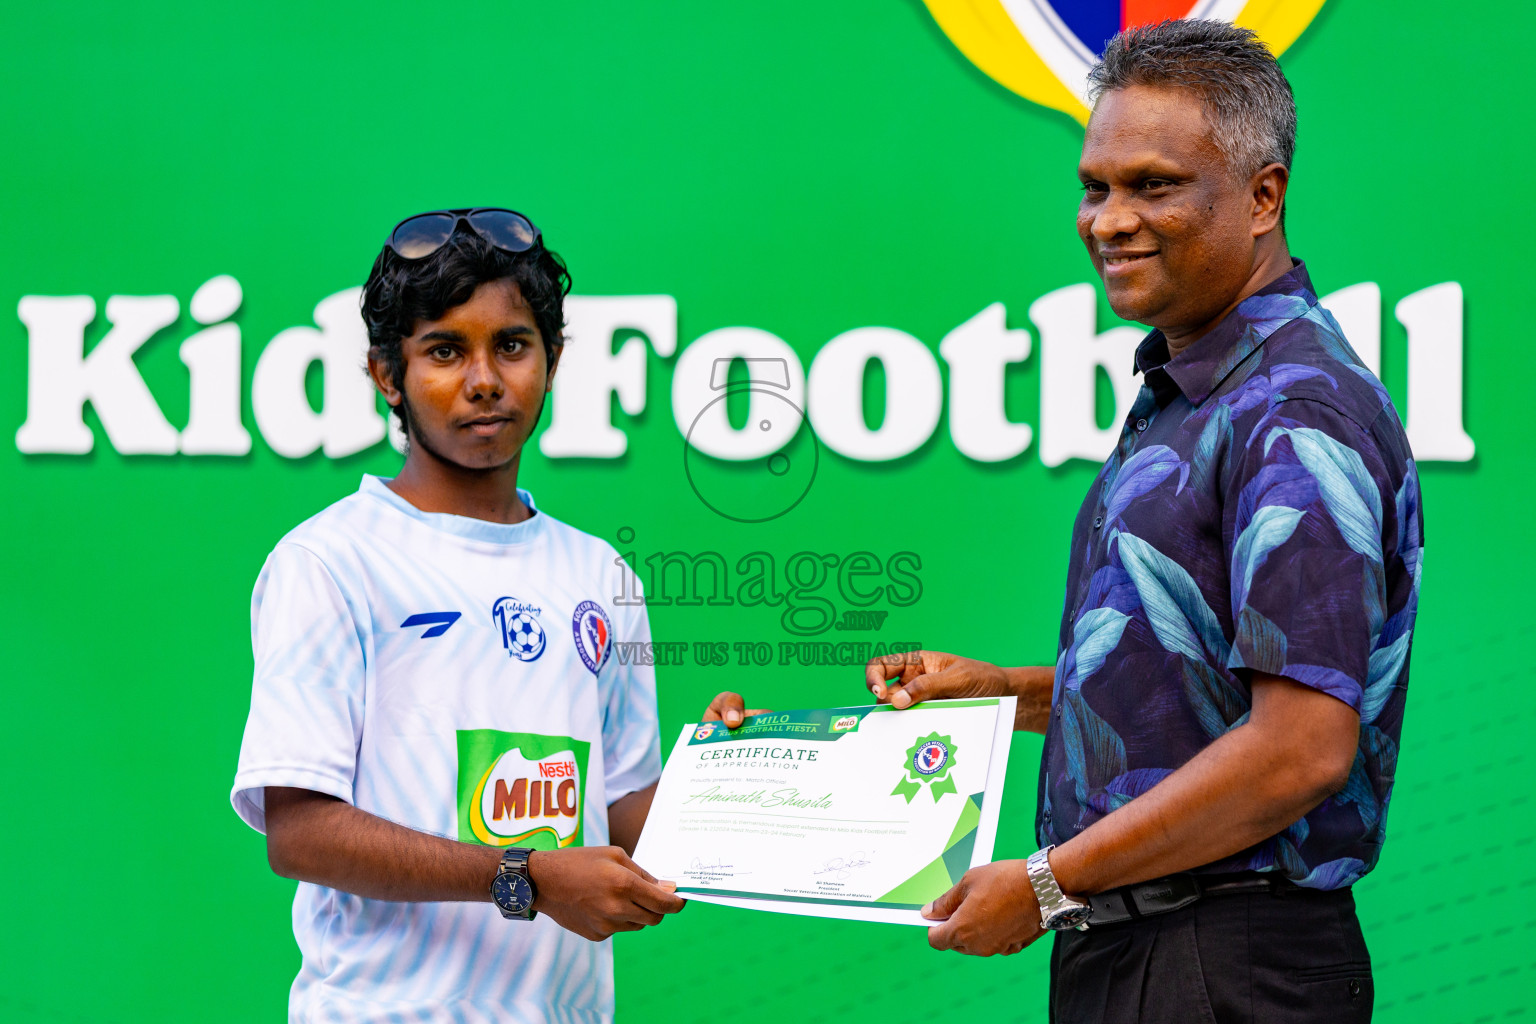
x=1174 y=892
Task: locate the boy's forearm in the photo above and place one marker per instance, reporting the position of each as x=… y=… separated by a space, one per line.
x=626 y=818
x=316 y=838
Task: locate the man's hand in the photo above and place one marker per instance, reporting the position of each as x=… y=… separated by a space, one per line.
x=903 y=679
x=597 y=890
x=730 y=709
x=991 y=912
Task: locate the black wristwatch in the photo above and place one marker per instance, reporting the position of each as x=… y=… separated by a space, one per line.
x=512 y=889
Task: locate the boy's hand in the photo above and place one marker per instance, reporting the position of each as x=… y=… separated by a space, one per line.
x=596 y=891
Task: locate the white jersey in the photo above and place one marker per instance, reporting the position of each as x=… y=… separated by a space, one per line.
x=454 y=676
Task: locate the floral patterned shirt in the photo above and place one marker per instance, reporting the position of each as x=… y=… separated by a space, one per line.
x=1261 y=512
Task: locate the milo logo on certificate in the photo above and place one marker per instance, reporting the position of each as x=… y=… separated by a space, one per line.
x=521 y=789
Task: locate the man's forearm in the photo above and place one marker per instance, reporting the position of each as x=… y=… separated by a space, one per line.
x=1201 y=813
x=1246 y=786
x=1032 y=685
x=316 y=838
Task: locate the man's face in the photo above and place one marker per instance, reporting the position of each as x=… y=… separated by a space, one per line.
x=1168 y=226
x=475 y=379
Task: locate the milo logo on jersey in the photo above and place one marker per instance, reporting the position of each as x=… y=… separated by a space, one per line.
x=521 y=789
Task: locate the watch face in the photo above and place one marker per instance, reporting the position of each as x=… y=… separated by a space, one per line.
x=1068 y=917
x=512 y=892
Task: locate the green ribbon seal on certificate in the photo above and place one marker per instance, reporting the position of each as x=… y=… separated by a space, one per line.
x=928 y=761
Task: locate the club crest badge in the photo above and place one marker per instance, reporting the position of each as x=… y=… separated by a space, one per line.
x=594 y=635
x=928 y=762
x=1042 y=49
x=704 y=731
x=521 y=635
x=931 y=757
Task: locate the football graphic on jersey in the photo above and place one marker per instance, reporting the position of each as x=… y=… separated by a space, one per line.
x=521 y=634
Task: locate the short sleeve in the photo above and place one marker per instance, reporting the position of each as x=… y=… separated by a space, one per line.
x=307 y=693
x=1308 y=582
x=631 y=740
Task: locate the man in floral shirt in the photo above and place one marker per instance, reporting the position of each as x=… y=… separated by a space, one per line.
x=1222 y=722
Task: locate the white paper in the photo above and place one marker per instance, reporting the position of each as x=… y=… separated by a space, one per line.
x=840 y=812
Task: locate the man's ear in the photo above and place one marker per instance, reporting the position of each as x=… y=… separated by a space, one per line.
x=1268 y=187
x=383 y=379
x=555 y=352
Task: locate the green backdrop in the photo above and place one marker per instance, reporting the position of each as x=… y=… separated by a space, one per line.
x=803 y=168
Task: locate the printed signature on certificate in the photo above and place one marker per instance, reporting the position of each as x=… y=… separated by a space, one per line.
x=842 y=867
x=712 y=869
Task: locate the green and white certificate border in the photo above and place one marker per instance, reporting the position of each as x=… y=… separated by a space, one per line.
x=970 y=843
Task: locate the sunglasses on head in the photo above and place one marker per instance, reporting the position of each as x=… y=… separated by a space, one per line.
x=422 y=235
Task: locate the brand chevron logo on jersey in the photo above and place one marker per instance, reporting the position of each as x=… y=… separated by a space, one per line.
x=521 y=634
x=594 y=634
x=437 y=622
x=1042 y=49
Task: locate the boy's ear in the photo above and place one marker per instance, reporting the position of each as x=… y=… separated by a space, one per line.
x=554 y=364
x=383 y=379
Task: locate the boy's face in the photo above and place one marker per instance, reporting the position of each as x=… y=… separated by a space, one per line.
x=475 y=379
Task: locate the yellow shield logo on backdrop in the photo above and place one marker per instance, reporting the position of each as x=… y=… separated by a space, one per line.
x=1042 y=49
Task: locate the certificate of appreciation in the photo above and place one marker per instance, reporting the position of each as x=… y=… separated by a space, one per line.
x=863 y=813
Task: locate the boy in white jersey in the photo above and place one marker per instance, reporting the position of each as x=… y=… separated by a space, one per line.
x=436 y=724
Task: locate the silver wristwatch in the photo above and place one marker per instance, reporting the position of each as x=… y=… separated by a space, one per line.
x=1058 y=911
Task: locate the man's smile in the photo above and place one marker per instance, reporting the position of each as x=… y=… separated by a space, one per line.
x=1118 y=262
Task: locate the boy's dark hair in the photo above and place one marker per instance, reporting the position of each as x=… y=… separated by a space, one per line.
x=401 y=292
x=1248 y=102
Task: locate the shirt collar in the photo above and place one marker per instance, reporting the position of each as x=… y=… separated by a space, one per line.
x=528 y=530
x=1199 y=370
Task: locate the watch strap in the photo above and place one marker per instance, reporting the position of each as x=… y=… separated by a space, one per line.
x=514 y=861
x=515 y=858
x=1057 y=910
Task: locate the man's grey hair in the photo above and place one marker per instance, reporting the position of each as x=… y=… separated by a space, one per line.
x=1248 y=102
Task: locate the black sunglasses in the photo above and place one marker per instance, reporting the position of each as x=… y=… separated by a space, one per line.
x=422 y=235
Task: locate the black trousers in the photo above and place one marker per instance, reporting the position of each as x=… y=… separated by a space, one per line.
x=1295 y=956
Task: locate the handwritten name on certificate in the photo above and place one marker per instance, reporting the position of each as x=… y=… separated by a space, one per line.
x=863 y=813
